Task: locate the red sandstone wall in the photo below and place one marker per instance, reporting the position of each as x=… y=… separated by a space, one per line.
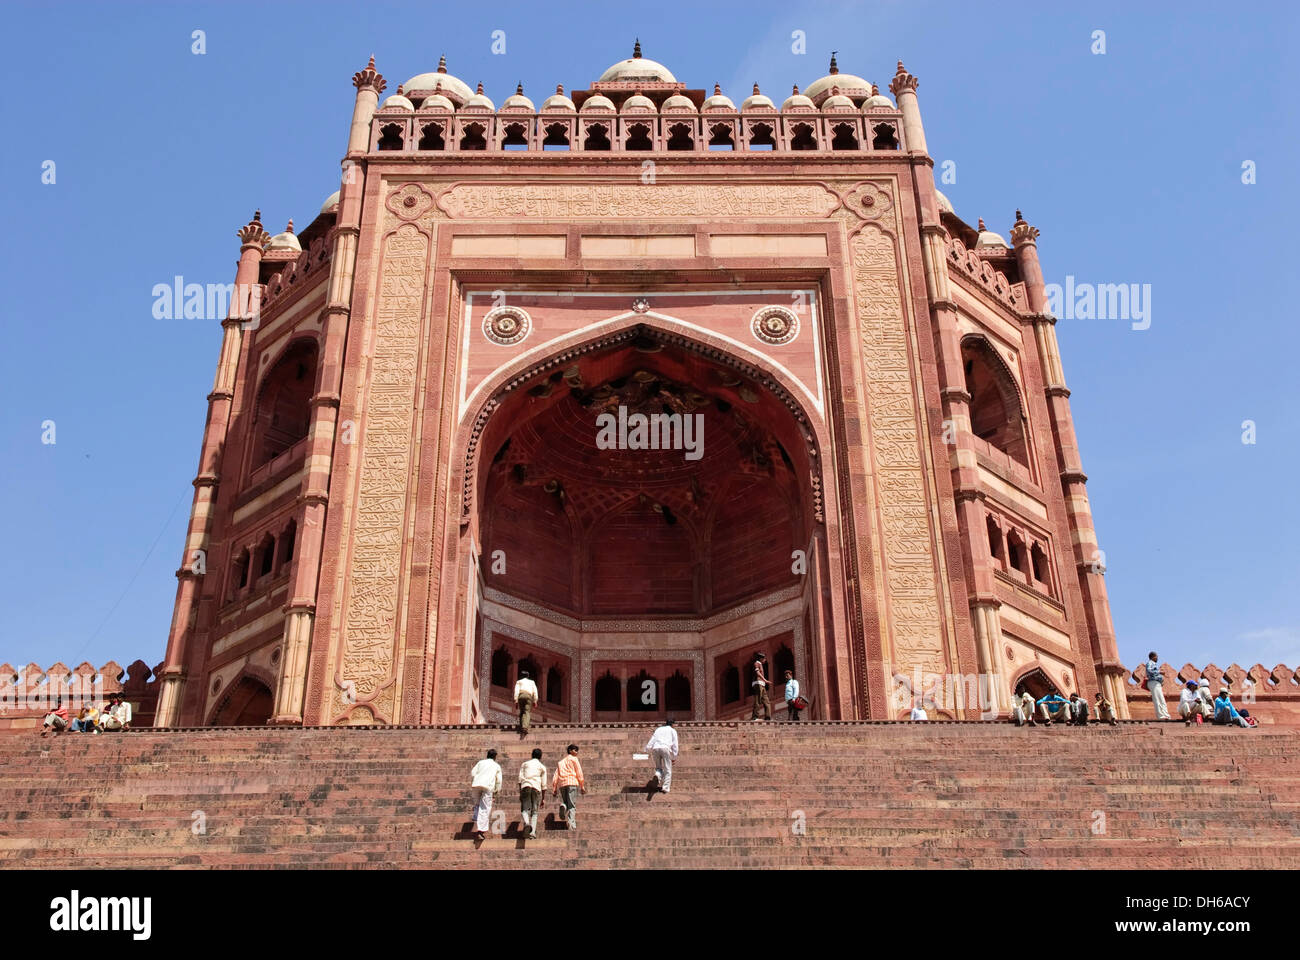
x=26 y=695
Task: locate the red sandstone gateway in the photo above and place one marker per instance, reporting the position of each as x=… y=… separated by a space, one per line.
x=401 y=500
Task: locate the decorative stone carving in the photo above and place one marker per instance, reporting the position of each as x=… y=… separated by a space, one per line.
x=640 y=305
x=775 y=325
x=597 y=201
x=409 y=202
x=507 y=325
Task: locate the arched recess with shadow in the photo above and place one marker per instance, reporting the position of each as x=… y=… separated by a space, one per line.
x=648 y=534
x=997 y=415
x=247 y=702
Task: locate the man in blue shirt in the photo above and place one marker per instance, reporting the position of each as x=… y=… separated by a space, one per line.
x=1054 y=706
x=1225 y=712
x=791 y=694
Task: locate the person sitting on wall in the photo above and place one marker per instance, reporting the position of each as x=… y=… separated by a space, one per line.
x=1190 y=704
x=1022 y=710
x=1054 y=706
x=1105 y=709
x=1225 y=712
x=118 y=715
x=1078 y=710
x=86 y=721
x=56 y=720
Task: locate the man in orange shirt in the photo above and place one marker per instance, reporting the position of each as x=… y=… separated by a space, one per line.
x=568 y=781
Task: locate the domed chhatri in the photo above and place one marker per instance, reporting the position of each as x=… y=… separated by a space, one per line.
x=480 y=100
x=987 y=238
x=558 y=101
x=638 y=102
x=397 y=102
x=756 y=101
x=453 y=88
x=517 y=101
x=285 y=241
x=719 y=100
x=798 y=101
x=637 y=67
x=597 y=102
x=679 y=102
x=331 y=202
x=851 y=86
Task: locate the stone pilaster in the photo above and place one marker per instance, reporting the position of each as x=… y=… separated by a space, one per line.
x=243 y=306
x=903 y=87
x=300 y=609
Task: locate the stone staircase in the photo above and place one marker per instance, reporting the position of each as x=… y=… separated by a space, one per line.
x=744 y=795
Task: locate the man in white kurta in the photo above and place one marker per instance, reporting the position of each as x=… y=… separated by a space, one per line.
x=525 y=699
x=663 y=750
x=485 y=780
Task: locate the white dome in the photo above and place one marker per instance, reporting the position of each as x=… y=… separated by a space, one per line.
x=756 y=101
x=285 y=241
x=798 y=100
x=457 y=88
x=679 y=102
x=638 y=67
x=598 y=102
x=558 y=101
x=877 y=101
x=944 y=203
x=480 y=100
x=850 y=85
x=988 y=238
x=837 y=102
x=638 y=102
x=517 y=101
x=718 y=101
x=437 y=102
x=397 y=102
x=330 y=203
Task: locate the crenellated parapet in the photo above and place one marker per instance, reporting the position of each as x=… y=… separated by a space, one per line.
x=968 y=265
x=306 y=270
x=28 y=693
x=1276 y=690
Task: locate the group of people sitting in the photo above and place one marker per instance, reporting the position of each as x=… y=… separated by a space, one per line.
x=1056 y=708
x=115 y=714
x=1195 y=704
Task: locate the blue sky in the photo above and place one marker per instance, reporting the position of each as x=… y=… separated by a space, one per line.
x=1129 y=162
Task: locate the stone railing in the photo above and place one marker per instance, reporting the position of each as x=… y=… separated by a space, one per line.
x=1273 y=695
x=968 y=264
x=304 y=271
x=27 y=694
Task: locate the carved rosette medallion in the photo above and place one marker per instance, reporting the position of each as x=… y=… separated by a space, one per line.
x=640 y=305
x=507 y=325
x=775 y=325
x=869 y=201
x=409 y=202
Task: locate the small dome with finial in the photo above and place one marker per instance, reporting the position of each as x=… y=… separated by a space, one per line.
x=558 y=101
x=877 y=100
x=638 y=102
x=719 y=100
x=330 y=203
x=517 y=101
x=677 y=102
x=756 y=101
x=988 y=238
x=479 y=100
x=285 y=241
x=837 y=101
x=397 y=101
x=851 y=86
x=597 y=102
x=798 y=101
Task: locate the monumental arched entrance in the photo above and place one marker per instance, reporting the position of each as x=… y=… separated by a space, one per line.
x=645 y=513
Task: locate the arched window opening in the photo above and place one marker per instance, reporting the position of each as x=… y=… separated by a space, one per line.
x=995 y=413
x=608 y=695
x=555 y=687
x=286 y=540
x=885 y=137
x=677 y=693
x=597 y=137
x=501 y=661
x=680 y=138
x=720 y=137
x=557 y=137
x=638 y=137
x=995 y=539
x=529 y=665
x=284 y=403
x=731 y=684
x=1017 y=556
x=390 y=137
x=643 y=693
x=516 y=137
x=782 y=661
x=761 y=137
x=265 y=556
x=473 y=137
x=1038 y=561
x=845 y=137
x=239 y=575
x=802 y=137
x=431 y=137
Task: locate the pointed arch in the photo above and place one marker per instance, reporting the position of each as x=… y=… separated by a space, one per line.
x=997 y=410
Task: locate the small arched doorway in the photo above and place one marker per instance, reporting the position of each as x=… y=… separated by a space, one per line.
x=248 y=703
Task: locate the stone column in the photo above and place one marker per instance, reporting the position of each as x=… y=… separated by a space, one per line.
x=903 y=87
x=243 y=306
x=1087 y=554
x=300 y=608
